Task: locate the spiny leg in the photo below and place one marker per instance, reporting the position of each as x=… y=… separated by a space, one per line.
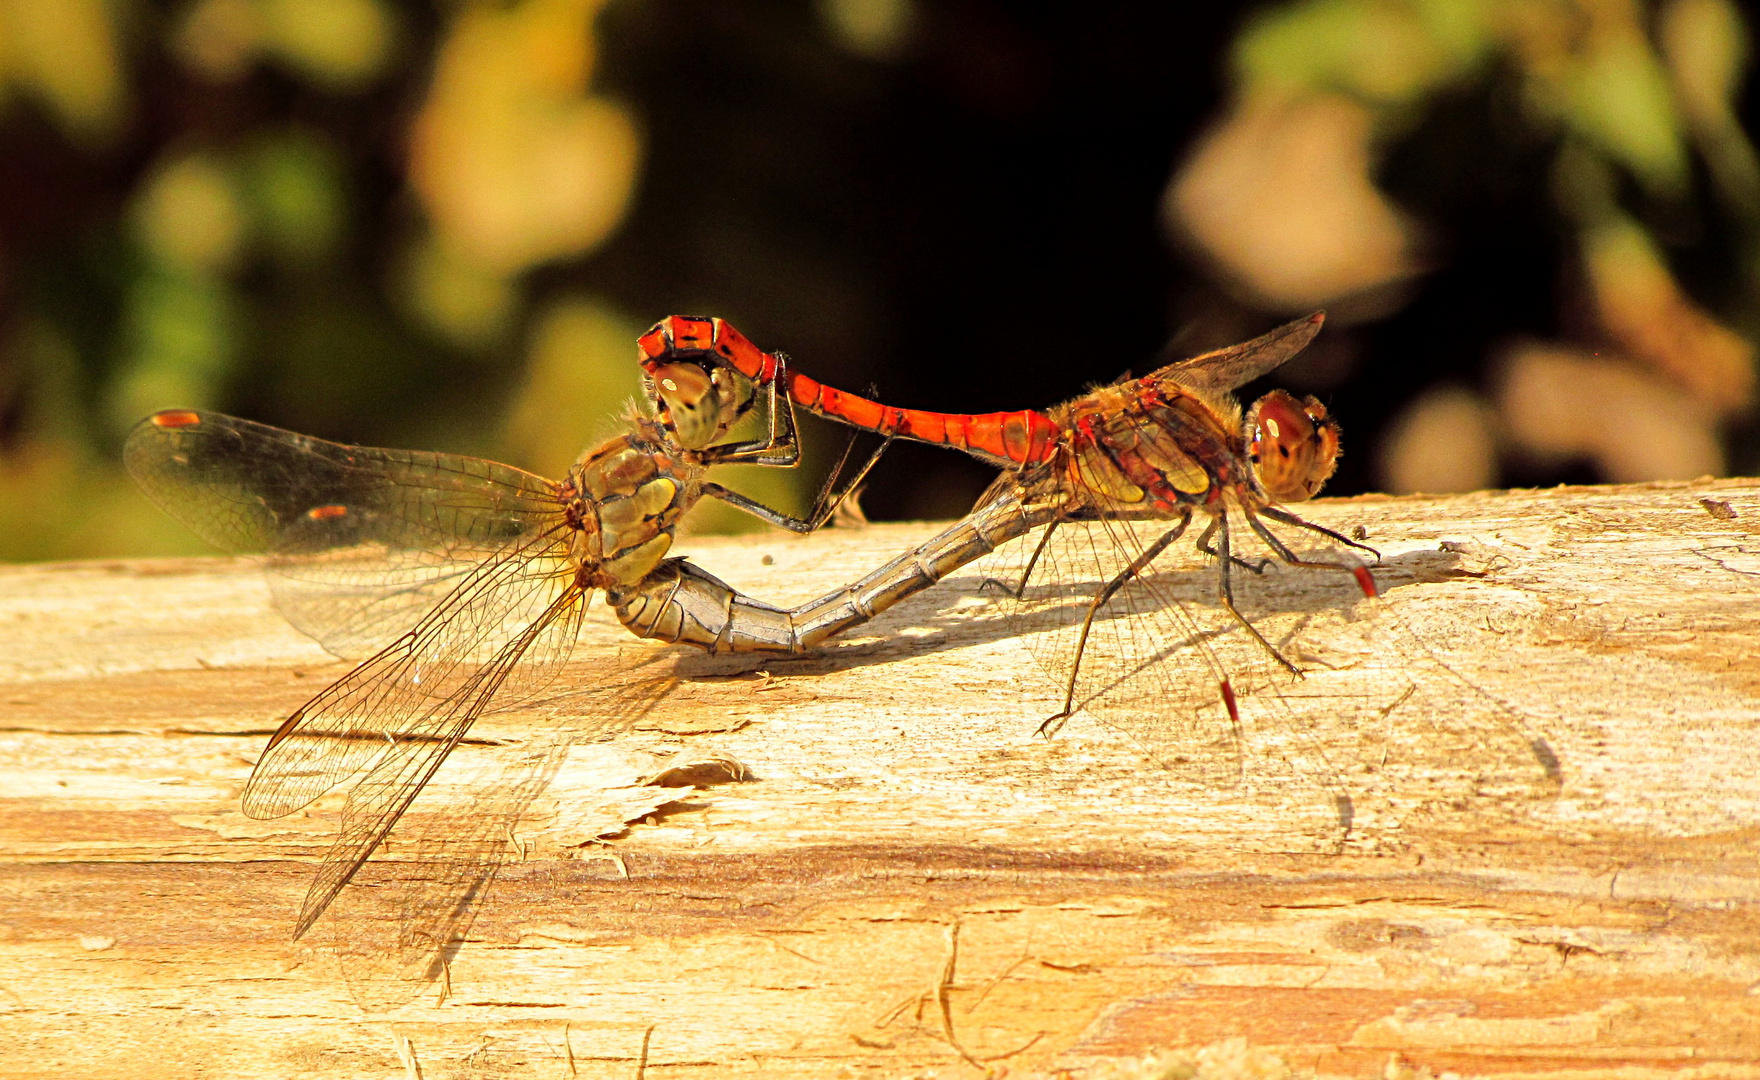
x=782 y=448
x=1019 y=589
x=1204 y=545
x=828 y=506
x=1365 y=581
x=1277 y=513
x=794 y=524
x=1137 y=565
x=1225 y=592
x=831 y=497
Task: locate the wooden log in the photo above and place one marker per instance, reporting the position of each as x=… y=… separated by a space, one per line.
x=908 y=880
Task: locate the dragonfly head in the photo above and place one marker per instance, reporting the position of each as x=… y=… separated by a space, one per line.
x=698 y=401
x=1292 y=444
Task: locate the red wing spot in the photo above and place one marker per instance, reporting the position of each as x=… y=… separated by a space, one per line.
x=1234 y=712
x=176 y=418
x=287 y=727
x=325 y=513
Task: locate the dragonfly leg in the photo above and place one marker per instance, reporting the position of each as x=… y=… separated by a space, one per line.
x=1019 y=588
x=825 y=503
x=1225 y=589
x=1137 y=565
x=1257 y=566
x=1276 y=513
x=824 y=506
x=1356 y=570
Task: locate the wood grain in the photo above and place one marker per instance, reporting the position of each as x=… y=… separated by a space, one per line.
x=909 y=881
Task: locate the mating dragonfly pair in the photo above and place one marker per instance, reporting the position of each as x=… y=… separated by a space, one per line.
x=460 y=584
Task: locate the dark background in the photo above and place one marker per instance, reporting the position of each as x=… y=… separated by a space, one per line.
x=971 y=224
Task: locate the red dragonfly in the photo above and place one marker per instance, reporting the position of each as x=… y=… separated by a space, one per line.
x=1116 y=476
x=1162 y=447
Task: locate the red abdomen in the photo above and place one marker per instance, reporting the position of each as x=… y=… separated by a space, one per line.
x=1005 y=439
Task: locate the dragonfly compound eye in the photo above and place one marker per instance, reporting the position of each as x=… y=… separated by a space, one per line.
x=1293 y=446
x=692 y=404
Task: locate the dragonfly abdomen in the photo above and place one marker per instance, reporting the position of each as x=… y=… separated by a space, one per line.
x=1004 y=439
x=681 y=603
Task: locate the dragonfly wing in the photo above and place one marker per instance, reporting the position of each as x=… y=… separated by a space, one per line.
x=1228 y=369
x=292 y=767
x=408 y=689
x=353 y=596
x=360 y=542
x=1150 y=666
x=1373 y=720
x=453 y=576
x=393 y=937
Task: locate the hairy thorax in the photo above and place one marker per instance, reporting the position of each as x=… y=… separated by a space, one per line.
x=632 y=493
x=1148 y=447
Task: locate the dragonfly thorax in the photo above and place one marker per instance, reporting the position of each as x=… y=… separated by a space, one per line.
x=633 y=490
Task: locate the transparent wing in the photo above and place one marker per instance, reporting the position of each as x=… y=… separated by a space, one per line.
x=1228 y=369
x=520 y=603
x=394 y=935
x=1153 y=659
x=1373 y=725
x=360 y=542
x=454 y=576
x=380 y=711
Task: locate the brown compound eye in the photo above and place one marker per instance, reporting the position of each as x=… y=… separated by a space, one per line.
x=1293 y=446
x=693 y=406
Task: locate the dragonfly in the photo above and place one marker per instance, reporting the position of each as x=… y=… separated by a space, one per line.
x=458 y=584
x=1164 y=447
x=1114 y=478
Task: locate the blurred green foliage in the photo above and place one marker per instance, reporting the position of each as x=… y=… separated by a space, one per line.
x=240 y=268
x=1636 y=106
x=369 y=220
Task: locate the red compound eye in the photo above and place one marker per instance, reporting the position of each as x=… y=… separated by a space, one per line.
x=1293 y=445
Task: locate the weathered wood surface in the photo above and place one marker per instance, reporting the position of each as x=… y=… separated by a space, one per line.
x=801 y=922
